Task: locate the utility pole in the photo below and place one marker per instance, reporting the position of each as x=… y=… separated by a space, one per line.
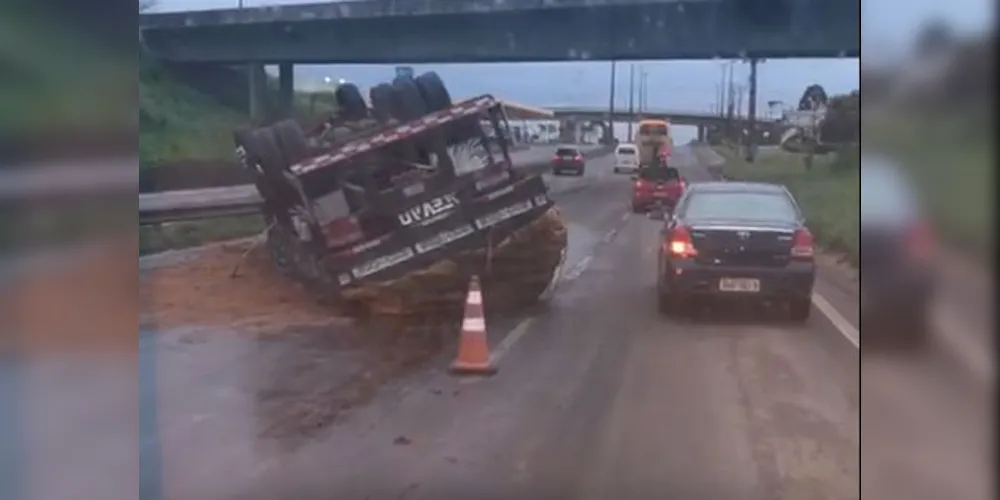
x=730 y=103
x=645 y=90
x=752 y=113
x=611 y=103
x=631 y=100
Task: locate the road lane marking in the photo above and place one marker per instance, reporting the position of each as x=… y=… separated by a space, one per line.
x=843 y=326
x=577 y=269
x=504 y=346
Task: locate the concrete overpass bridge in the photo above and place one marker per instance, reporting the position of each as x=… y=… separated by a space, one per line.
x=450 y=31
x=703 y=121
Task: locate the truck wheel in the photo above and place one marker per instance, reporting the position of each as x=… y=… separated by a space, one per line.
x=349 y=101
x=291 y=140
x=410 y=104
x=433 y=91
x=383 y=101
x=260 y=155
x=273 y=165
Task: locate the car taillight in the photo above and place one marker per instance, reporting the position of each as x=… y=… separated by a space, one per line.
x=920 y=241
x=802 y=244
x=341 y=232
x=556 y=158
x=680 y=243
x=640 y=184
x=578 y=157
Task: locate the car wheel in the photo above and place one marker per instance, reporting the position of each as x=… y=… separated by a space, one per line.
x=799 y=309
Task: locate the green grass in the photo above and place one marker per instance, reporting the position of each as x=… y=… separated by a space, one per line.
x=828 y=193
x=179 y=123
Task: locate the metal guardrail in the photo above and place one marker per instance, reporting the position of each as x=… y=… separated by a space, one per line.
x=210 y=203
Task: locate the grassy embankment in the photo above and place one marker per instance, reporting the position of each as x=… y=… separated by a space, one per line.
x=948 y=159
x=178 y=123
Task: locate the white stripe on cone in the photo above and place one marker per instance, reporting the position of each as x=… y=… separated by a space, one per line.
x=474 y=325
x=475 y=298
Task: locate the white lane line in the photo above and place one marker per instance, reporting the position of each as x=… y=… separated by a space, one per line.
x=504 y=347
x=846 y=329
x=577 y=269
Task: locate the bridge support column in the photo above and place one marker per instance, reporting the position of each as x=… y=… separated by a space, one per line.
x=286 y=90
x=258 y=91
x=701 y=133
x=607 y=134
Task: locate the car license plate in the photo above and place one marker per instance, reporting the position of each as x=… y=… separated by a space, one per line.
x=739 y=285
x=661 y=195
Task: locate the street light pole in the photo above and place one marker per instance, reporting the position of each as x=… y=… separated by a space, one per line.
x=611 y=103
x=631 y=100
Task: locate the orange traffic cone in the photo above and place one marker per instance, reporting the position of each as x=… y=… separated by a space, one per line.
x=473 y=353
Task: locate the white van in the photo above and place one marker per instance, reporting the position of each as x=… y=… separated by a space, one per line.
x=626 y=159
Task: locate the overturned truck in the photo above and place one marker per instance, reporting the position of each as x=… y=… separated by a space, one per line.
x=388 y=209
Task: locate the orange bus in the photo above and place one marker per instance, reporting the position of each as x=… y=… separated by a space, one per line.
x=653 y=140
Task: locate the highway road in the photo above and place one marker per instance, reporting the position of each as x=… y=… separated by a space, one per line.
x=597 y=397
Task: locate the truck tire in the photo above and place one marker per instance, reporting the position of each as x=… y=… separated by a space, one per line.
x=433 y=91
x=383 y=101
x=350 y=102
x=291 y=141
x=410 y=104
x=260 y=155
x=272 y=164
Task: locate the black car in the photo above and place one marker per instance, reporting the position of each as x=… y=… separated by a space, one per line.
x=897 y=277
x=569 y=160
x=736 y=240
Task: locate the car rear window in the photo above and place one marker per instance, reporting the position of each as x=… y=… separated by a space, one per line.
x=566 y=152
x=659 y=174
x=625 y=152
x=742 y=206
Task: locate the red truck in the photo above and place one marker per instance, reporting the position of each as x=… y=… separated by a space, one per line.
x=657 y=185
